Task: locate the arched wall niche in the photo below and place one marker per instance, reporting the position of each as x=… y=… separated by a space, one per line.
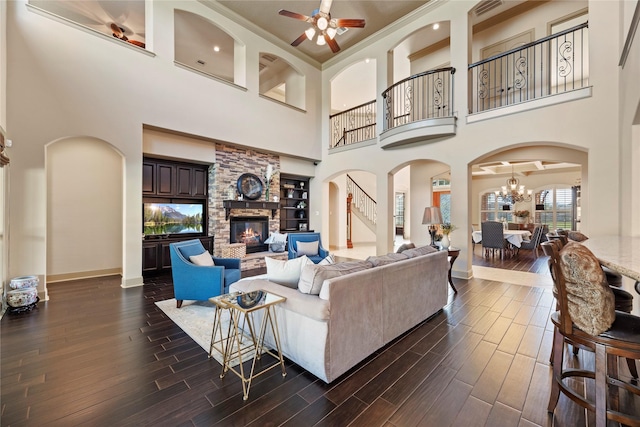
x=84 y=191
x=280 y=80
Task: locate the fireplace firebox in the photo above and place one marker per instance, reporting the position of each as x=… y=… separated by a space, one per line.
x=250 y=230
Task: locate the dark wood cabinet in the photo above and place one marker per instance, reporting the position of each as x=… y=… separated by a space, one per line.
x=173 y=179
x=294 y=203
x=166 y=181
x=156 y=257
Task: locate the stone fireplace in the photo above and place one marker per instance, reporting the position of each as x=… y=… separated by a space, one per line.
x=230 y=163
x=250 y=230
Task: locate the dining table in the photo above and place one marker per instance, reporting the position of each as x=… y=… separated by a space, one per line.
x=515 y=237
x=619 y=253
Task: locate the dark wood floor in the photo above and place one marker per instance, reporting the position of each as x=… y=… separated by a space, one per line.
x=525 y=260
x=100 y=355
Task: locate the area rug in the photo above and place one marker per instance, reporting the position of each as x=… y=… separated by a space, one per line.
x=195 y=318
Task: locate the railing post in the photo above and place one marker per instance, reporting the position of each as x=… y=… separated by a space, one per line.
x=349 y=200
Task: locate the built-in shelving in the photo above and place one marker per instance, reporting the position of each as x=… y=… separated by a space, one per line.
x=294 y=203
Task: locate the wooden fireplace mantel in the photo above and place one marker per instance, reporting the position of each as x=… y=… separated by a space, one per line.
x=249 y=204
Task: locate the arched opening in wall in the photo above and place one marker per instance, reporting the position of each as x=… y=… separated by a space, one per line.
x=414 y=190
x=84 y=209
x=360 y=227
x=203 y=46
x=420 y=83
x=425 y=49
x=280 y=81
x=123 y=20
x=353 y=104
x=529 y=185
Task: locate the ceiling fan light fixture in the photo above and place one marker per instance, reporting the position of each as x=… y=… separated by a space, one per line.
x=321 y=41
x=331 y=32
x=322 y=23
x=310 y=32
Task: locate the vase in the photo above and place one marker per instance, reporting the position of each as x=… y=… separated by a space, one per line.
x=445 y=243
x=266 y=194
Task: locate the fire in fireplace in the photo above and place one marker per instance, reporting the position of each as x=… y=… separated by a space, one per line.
x=250 y=230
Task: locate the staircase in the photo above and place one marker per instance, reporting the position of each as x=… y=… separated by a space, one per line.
x=363 y=206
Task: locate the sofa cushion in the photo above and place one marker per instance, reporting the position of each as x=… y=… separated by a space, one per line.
x=590 y=300
x=286 y=273
x=307 y=248
x=314 y=275
x=403 y=247
x=202 y=259
x=328 y=260
x=422 y=250
x=576 y=236
x=386 y=259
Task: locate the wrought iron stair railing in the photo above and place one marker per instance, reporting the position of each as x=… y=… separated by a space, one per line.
x=426 y=95
x=356 y=124
x=364 y=203
x=552 y=65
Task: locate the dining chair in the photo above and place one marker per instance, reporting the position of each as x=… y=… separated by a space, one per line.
x=534 y=243
x=588 y=320
x=493 y=238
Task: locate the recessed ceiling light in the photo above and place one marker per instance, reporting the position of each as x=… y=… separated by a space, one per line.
x=436 y=26
x=366 y=61
x=216 y=48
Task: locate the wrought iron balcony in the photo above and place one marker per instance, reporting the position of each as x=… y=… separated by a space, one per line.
x=556 y=64
x=427 y=95
x=353 y=125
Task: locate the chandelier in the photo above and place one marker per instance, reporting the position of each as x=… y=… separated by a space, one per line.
x=513 y=192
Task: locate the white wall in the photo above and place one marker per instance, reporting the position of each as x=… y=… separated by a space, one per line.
x=84 y=209
x=78 y=83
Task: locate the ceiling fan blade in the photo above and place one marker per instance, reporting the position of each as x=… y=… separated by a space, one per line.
x=299 y=40
x=325 y=6
x=137 y=43
x=294 y=15
x=333 y=44
x=350 y=23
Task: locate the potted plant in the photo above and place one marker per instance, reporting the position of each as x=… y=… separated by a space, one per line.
x=447 y=228
x=521 y=216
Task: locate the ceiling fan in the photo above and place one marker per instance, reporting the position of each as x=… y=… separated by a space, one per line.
x=118 y=32
x=322 y=24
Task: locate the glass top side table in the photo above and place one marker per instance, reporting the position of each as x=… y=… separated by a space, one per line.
x=242 y=339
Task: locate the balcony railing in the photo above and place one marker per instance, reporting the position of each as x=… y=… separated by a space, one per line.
x=555 y=64
x=354 y=125
x=423 y=96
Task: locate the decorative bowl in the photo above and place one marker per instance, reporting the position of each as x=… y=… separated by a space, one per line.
x=250 y=299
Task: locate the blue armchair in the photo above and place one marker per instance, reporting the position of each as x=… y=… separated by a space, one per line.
x=198 y=282
x=294 y=238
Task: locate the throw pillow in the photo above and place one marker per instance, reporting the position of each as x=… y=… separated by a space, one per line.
x=422 y=250
x=307 y=248
x=589 y=297
x=403 y=247
x=202 y=259
x=286 y=273
x=314 y=275
x=386 y=259
x=328 y=260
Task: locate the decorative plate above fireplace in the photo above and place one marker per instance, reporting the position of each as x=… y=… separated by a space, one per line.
x=250 y=186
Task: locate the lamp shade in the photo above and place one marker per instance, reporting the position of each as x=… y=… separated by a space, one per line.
x=432 y=215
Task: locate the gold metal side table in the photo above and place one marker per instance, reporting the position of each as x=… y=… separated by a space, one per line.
x=241 y=340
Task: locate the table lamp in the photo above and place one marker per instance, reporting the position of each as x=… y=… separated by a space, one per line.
x=431 y=217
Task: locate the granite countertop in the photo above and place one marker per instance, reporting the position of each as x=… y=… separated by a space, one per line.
x=619 y=253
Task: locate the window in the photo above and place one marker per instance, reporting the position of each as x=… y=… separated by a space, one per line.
x=492 y=208
x=554 y=207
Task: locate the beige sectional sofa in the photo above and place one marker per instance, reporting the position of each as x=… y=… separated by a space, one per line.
x=359 y=309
